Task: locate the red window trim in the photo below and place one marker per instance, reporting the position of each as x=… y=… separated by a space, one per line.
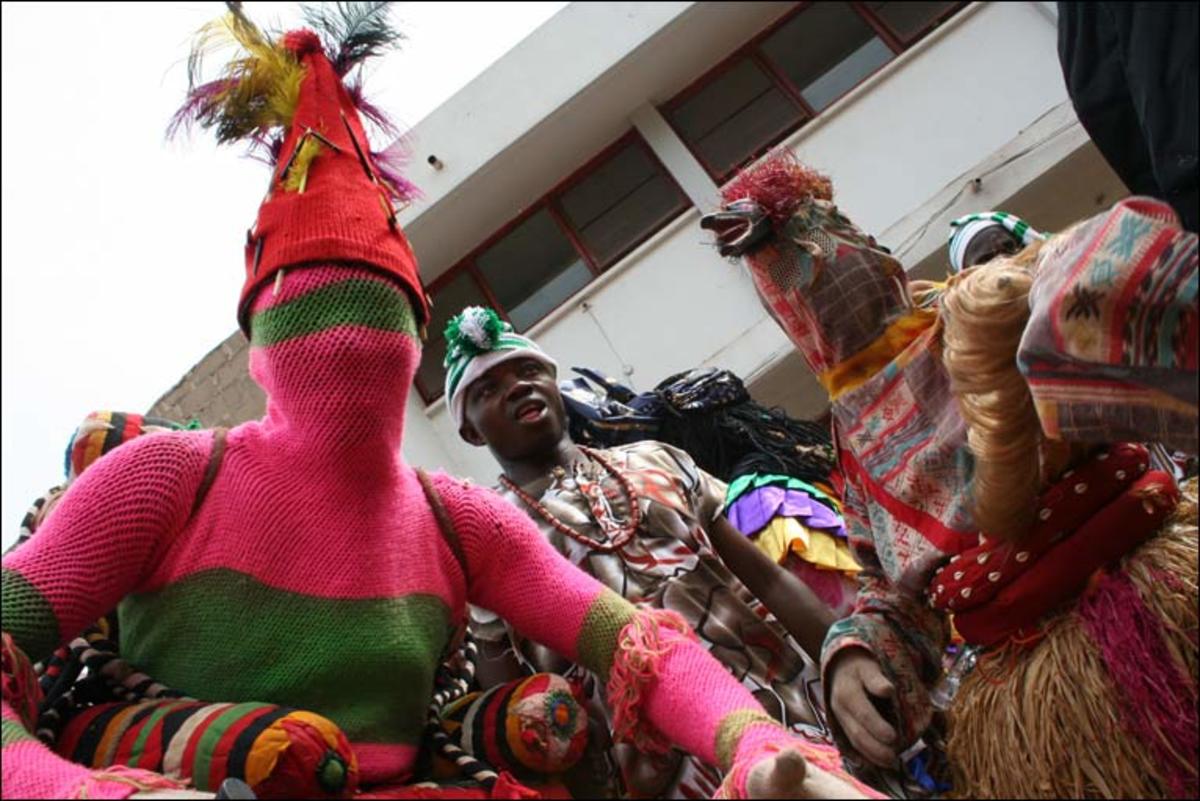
x=549 y=202
x=904 y=43
x=895 y=42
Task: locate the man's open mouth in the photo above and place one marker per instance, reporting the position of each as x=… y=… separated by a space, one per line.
x=529 y=411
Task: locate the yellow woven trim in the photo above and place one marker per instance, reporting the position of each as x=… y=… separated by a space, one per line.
x=729 y=733
x=852 y=372
x=597 y=640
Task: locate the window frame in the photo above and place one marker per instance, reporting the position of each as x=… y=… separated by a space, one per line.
x=751 y=49
x=549 y=202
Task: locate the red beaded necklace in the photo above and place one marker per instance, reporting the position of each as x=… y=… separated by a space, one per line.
x=623 y=535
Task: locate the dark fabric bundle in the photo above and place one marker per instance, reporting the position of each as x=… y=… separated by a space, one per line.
x=611 y=415
x=706 y=412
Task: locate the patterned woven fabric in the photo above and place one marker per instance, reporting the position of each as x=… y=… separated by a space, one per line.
x=1110 y=351
x=901 y=442
x=102 y=431
x=832 y=291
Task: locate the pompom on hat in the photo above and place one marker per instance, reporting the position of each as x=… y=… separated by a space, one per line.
x=330 y=197
x=476 y=341
x=967 y=227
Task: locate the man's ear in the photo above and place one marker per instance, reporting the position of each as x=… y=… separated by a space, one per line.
x=469 y=433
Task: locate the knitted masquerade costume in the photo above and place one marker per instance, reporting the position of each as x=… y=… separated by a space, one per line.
x=909 y=510
x=314 y=574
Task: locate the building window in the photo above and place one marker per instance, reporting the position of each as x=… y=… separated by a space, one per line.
x=825 y=52
x=791 y=72
x=911 y=19
x=543 y=257
x=532 y=269
x=726 y=119
x=618 y=204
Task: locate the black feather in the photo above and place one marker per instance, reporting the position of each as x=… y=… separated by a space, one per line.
x=352 y=32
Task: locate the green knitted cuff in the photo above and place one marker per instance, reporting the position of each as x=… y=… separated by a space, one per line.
x=13 y=732
x=28 y=616
x=597 y=641
x=729 y=733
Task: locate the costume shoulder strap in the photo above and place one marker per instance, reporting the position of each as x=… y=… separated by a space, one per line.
x=445 y=524
x=210 y=472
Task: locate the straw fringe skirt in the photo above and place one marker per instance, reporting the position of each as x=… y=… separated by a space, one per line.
x=1105 y=704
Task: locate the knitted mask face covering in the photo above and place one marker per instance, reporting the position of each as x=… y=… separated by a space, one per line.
x=335 y=349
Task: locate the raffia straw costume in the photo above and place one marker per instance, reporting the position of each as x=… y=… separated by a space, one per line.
x=314 y=574
x=1082 y=594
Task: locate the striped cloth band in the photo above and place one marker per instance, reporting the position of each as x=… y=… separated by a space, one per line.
x=965 y=228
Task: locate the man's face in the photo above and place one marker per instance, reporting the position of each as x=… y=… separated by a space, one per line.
x=515 y=409
x=989 y=243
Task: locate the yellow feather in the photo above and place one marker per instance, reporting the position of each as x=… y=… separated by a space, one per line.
x=297 y=176
x=264 y=79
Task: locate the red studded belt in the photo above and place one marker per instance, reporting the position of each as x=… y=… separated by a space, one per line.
x=1091 y=517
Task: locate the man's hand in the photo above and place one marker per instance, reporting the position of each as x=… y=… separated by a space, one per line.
x=853 y=675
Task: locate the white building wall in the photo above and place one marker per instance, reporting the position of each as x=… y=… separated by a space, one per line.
x=982 y=95
x=890 y=145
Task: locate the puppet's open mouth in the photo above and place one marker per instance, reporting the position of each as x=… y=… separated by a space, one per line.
x=739 y=226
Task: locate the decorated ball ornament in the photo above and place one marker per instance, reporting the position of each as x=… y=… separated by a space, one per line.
x=103 y=431
x=530 y=727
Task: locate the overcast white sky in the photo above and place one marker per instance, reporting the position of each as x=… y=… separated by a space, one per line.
x=122 y=254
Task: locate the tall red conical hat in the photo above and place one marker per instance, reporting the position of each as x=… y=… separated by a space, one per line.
x=328 y=201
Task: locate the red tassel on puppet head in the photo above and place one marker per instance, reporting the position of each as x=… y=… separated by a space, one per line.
x=778 y=185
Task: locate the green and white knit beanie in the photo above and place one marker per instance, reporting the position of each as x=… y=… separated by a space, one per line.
x=966 y=228
x=476 y=341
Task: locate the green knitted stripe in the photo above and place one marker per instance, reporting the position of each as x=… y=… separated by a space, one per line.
x=729 y=733
x=362 y=302
x=13 y=732
x=597 y=640
x=366 y=664
x=28 y=616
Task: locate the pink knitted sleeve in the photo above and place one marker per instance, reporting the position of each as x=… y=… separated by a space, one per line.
x=97 y=545
x=689 y=697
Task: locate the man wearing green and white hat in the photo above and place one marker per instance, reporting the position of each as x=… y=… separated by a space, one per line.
x=647 y=522
x=978 y=238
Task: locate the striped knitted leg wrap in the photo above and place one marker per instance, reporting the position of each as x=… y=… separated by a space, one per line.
x=454 y=686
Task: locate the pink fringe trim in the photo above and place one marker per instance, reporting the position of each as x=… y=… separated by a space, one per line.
x=1158 y=702
x=640 y=649
x=19 y=684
